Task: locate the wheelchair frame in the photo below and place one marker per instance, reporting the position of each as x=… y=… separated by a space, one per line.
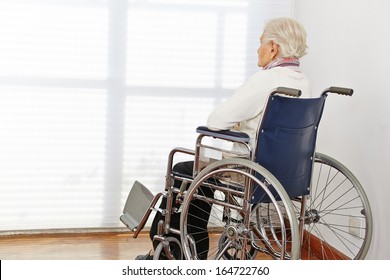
x=279 y=227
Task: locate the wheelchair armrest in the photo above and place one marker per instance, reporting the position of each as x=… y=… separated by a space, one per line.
x=229 y=135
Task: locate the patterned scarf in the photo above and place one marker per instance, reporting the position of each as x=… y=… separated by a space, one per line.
x=283 y=62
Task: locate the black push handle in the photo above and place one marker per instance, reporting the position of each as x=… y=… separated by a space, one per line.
x=340 y=90
x=287 y=91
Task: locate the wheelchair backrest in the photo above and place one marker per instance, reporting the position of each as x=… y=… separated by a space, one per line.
x=286 y=141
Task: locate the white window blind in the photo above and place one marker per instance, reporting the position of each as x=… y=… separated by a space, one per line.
x=94 y=94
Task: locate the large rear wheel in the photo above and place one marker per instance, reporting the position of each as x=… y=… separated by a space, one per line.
x=221 y=220
x=337 y=220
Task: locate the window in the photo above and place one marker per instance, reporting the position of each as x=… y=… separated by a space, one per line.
x=94 y=94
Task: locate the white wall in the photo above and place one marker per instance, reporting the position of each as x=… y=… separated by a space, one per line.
x=349 y=45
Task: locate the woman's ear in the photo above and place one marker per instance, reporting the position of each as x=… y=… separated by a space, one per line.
x=274 y=50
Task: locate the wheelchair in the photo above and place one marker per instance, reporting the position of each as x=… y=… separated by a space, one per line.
x=279 y=200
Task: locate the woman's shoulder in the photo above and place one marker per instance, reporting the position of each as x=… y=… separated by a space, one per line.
x=277 y=71
x=260 y=76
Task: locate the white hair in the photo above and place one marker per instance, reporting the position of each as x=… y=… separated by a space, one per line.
x=288 y=34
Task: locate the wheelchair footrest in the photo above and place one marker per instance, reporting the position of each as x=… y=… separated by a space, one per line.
x=137 y=204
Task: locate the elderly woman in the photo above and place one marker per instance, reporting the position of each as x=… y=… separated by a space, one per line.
x=282 y=44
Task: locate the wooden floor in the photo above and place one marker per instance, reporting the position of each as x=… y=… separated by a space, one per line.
x=92 y=246
x=76 y=246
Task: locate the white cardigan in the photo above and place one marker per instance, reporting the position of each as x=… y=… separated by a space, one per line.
x=243 y=110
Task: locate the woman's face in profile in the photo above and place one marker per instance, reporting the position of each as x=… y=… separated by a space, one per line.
x=265 y=52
